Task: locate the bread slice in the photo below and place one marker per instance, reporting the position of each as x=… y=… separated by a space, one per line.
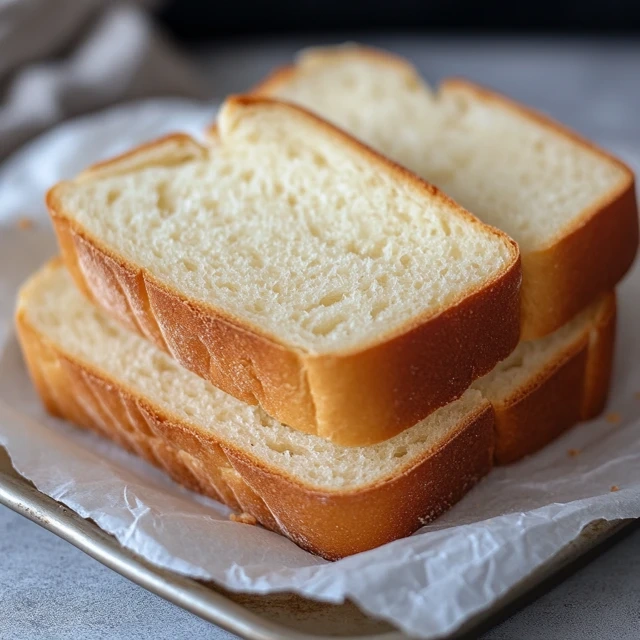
x=570 y=206
x=294 y=268
x=331 y=500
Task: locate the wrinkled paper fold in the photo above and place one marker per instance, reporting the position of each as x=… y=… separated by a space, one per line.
x=428 y=584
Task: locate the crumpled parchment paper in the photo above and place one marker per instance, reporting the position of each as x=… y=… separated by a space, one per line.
x=428 y=584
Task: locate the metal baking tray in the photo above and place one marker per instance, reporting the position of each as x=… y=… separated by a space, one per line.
x=280 y=616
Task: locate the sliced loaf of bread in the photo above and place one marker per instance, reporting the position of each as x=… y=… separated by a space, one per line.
x=329 y=499
x=569 y=205
x=294 y=268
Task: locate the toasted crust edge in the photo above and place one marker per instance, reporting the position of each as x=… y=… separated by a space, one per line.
x=563 y=277
x=572 y=388
x=330 y=524
x=602 y=343
x=309 y=392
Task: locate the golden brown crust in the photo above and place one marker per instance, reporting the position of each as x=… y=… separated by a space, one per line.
x=571 y=388
x=561 y=280
x=602 y=341
x=587 y=258
x=549 y=405
x=331 y=524
x=396 y=382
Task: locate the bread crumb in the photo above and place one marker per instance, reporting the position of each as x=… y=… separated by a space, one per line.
x=614 y=487
x=572 y=453
x=24 y=223
x=613 y=418
x=636 y=395
x=244 y=518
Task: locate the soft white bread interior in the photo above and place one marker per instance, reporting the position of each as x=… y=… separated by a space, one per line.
x=304 y=244
x=278 y=225
x=511 y=167
x=512 y=172
x=91 y=370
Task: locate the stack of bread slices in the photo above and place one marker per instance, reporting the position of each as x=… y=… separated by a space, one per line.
x=291 y=319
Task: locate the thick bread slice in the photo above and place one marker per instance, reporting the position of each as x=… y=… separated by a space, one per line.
x=571 y=206
x=548 y=385
x=329 y=499
x=294 y=268
x=332 y=500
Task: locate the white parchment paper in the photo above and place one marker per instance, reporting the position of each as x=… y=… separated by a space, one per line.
x=428 y=584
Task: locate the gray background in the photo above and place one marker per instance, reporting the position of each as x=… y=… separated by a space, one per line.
x=48 y=589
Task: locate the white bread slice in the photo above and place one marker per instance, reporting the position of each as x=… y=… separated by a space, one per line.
x=332 y=500
x=329 y=499
x=569 y=205
x=294 y=268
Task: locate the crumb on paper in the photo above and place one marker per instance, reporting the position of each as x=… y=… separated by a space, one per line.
x=24 y=223
x=244 y=518
x=572 y=453
x=614 y=487
x=613 y=418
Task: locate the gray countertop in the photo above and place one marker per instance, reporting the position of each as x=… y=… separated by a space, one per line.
x=49 y=589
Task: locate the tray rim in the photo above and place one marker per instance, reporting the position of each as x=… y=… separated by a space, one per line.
x=21 y=496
